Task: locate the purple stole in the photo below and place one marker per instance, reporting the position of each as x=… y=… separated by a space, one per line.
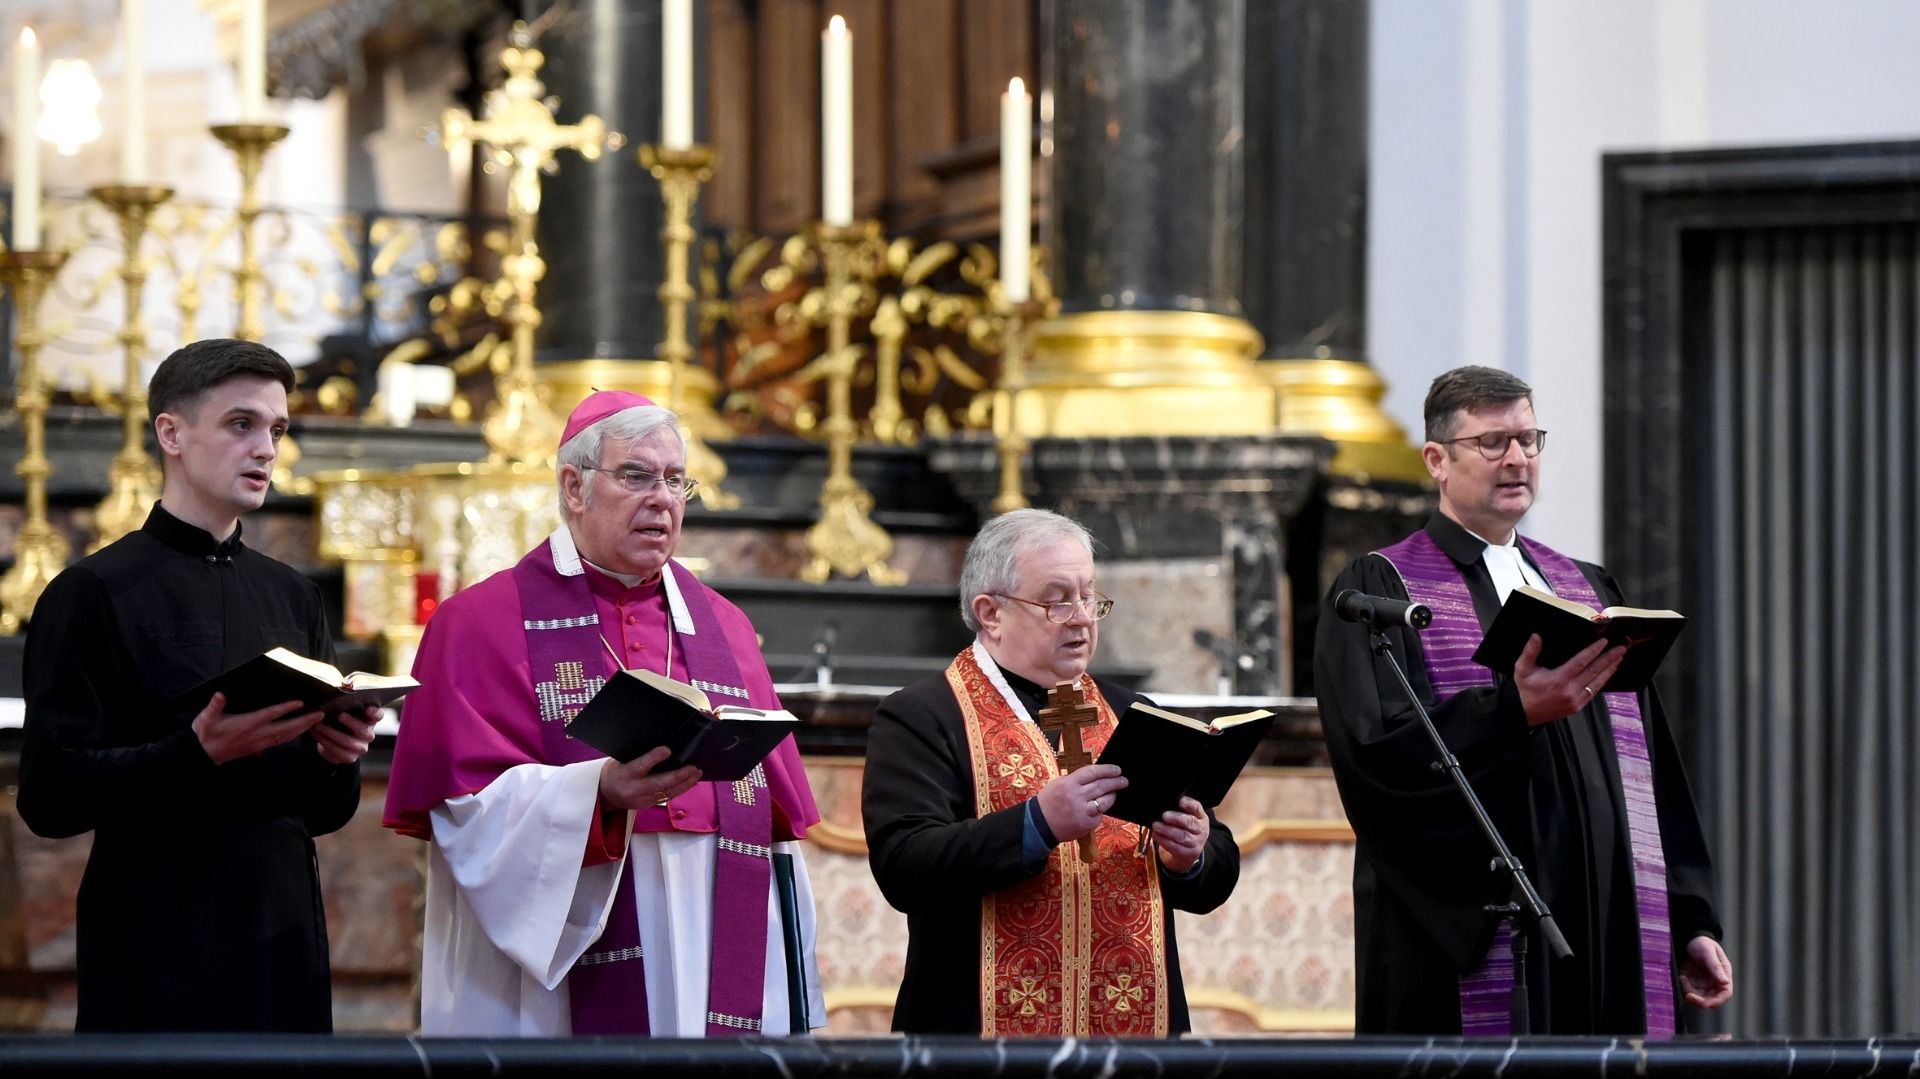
x=1434 y=579
x=607 y=985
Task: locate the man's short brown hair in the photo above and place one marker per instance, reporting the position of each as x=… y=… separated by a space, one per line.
x=183 y=378
x=1470 y=389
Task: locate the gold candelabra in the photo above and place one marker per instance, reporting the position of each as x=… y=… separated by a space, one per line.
x=845 y=540
x=1009 y=442
x=519 y=128
x=38 y=551
x=250 y=144
x=681 y=172
x=133 y=483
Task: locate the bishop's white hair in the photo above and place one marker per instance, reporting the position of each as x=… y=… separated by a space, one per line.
x=583 y=449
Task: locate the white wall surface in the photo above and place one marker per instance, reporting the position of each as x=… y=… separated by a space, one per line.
x=1489 y=120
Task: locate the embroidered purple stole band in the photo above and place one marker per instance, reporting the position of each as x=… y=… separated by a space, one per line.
x=1432 y=578
x=607 y=986
x=1643 y=817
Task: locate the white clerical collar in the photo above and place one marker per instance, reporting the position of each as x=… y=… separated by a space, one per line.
x=991 y=669
x=567 y=560
x=1507 y=566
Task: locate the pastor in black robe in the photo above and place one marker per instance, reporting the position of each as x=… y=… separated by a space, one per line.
x=1421 y=876
x=934 y=858
x=200 y=907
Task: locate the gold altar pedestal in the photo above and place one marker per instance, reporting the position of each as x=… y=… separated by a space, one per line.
x=1144 y=373
x=1340 y=400
x=452 y=524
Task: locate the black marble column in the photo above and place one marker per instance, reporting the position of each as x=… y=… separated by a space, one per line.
x=1147 y=162
x=600 y=220
x=1306 y=158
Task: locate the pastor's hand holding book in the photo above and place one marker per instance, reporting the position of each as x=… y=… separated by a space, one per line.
x=1550 y=694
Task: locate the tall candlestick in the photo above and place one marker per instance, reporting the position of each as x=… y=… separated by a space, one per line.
x=1016 y=190
x=133 y=91
x=676 y=74
x=253 y=61
x=836 y=124
x=26 y=142
x=39 y=553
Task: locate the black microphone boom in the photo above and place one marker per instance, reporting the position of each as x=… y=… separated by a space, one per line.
x=1379 y=612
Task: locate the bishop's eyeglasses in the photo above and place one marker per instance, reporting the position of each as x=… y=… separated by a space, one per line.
x=1493 y=444
x=640 y=481
x=1060 y=612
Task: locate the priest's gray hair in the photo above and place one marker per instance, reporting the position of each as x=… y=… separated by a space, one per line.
x=583 y=450
x=993 y=558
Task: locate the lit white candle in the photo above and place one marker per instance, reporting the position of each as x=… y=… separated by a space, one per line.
x=836 y=123
x=676 y=74
x=253 y=61
x=1016 y=190
x=26 y=142
x=133 y=91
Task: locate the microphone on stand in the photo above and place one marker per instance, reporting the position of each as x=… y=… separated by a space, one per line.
x=1379 y=612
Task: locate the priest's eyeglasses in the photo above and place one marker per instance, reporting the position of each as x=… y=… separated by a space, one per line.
x=1493 y=444
x=1061 y=611
x=640 y=481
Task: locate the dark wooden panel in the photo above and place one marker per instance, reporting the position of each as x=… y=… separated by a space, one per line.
x=923 y=108
x=731 y=67
x=786 y=191
x=997 y=43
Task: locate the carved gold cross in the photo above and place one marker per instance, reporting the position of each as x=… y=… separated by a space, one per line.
x=1068 y=711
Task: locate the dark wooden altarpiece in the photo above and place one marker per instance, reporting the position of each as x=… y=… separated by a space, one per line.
x=927 y=81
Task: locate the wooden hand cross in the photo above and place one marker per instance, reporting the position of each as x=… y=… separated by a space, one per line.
x=1067 y=711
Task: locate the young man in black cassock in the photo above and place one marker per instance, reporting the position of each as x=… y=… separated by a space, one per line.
x=200 y=907
x=1586 y=785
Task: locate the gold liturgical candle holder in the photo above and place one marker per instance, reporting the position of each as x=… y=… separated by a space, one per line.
x=250 y=144
x=133 y=482
x=845 y=540
x=38 y=551
x=681 y=172
x=1009 y=443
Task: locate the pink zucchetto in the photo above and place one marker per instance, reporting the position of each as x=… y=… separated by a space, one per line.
x=598 y=406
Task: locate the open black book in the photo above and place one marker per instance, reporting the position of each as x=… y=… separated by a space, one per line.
x=1565 y=627
x=639 y=710
x=278 y=676
x=1165 y=756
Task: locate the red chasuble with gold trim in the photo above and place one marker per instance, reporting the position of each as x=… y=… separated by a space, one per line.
x=1078 y=950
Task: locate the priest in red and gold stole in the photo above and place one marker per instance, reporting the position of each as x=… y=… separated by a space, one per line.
x=972 y=824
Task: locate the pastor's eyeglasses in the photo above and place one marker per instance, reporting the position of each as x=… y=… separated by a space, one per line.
x=1060 y=612
x=640 y=481
x=1493 y=444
